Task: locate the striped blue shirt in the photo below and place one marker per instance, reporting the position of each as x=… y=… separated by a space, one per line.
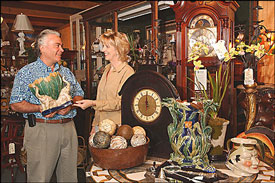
x=29 y=73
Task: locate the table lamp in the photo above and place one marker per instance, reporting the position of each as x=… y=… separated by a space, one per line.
x=22 y=24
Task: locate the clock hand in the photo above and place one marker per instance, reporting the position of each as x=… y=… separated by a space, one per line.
x=146 y=102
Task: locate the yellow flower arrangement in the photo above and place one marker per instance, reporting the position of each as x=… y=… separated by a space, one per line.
x=196 y=51
x=258 y=50
x=219 y=83
x=249 y=54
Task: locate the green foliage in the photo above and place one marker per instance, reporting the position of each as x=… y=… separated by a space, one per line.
x=30 y=52
x=132 y=46
x=219 y=83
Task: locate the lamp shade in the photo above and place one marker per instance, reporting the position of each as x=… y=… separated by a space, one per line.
x=22 y=23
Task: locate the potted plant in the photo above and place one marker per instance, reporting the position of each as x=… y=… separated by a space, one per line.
x=219 y=84
x=250 y=54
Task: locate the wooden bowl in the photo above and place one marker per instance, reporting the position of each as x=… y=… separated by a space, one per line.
x=116 y=159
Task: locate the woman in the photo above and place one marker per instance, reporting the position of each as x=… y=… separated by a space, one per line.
x=108 y=103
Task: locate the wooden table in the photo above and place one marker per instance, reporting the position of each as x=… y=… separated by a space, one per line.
x=137 y=174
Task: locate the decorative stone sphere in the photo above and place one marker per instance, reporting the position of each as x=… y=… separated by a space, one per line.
x=125 y=131
x=101 y=140
x=138 y=140
x=139 y=130
x=91 y=140
x=118 y=142
x=107 y=126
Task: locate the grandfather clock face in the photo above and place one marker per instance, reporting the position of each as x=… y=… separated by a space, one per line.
x=202 y=29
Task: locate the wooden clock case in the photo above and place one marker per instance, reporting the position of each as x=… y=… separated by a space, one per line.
x=223 y=15
x=156 y=130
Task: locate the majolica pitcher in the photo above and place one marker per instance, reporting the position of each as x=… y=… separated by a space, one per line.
x=189 y=137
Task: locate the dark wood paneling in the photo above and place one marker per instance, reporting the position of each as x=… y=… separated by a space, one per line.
x=45 y=14
x=108 y=7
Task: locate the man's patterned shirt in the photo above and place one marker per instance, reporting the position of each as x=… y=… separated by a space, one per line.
x=29 y=73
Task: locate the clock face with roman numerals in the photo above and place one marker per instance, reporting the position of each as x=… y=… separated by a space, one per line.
x=147 y=105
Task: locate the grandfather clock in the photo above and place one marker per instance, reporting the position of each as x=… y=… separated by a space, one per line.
x=204 y=21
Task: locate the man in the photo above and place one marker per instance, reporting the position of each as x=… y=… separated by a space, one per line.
x=52 y=142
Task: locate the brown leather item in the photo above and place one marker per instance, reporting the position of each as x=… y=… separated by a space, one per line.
x=66 y=120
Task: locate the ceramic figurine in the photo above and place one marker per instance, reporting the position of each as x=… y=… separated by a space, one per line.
x=21 y=40
x=243 y=157
x=53 y=92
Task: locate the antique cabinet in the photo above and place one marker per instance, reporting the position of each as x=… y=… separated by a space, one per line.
x=10 y=65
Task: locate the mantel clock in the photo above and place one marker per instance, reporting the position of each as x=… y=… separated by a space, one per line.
x=141 y=106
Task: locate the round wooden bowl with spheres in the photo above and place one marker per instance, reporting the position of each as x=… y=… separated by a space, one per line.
x=116 y=159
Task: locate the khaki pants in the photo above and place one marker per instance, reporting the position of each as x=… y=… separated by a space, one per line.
x=49 y=146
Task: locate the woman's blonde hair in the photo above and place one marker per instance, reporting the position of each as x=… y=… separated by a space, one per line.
x=118 y=40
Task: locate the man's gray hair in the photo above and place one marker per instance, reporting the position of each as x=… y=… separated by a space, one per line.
x=40 y=40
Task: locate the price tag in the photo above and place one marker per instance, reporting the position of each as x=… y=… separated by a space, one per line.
x=201 y=79
x=11 y=148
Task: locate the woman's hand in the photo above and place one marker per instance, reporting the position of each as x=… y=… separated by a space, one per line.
x=84 y=104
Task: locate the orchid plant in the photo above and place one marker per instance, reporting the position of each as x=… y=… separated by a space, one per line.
x=219 y=83
x=251 y=54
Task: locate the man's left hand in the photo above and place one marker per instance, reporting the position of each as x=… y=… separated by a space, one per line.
x=64 y=111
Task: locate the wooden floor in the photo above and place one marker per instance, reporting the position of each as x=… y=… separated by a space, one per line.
x=21 y=177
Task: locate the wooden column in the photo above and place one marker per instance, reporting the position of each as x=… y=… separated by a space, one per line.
x=89 y=71
x=154 y=36
x=115 y=20
x=266 y=67
x=179 y=75
x=89 y=78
